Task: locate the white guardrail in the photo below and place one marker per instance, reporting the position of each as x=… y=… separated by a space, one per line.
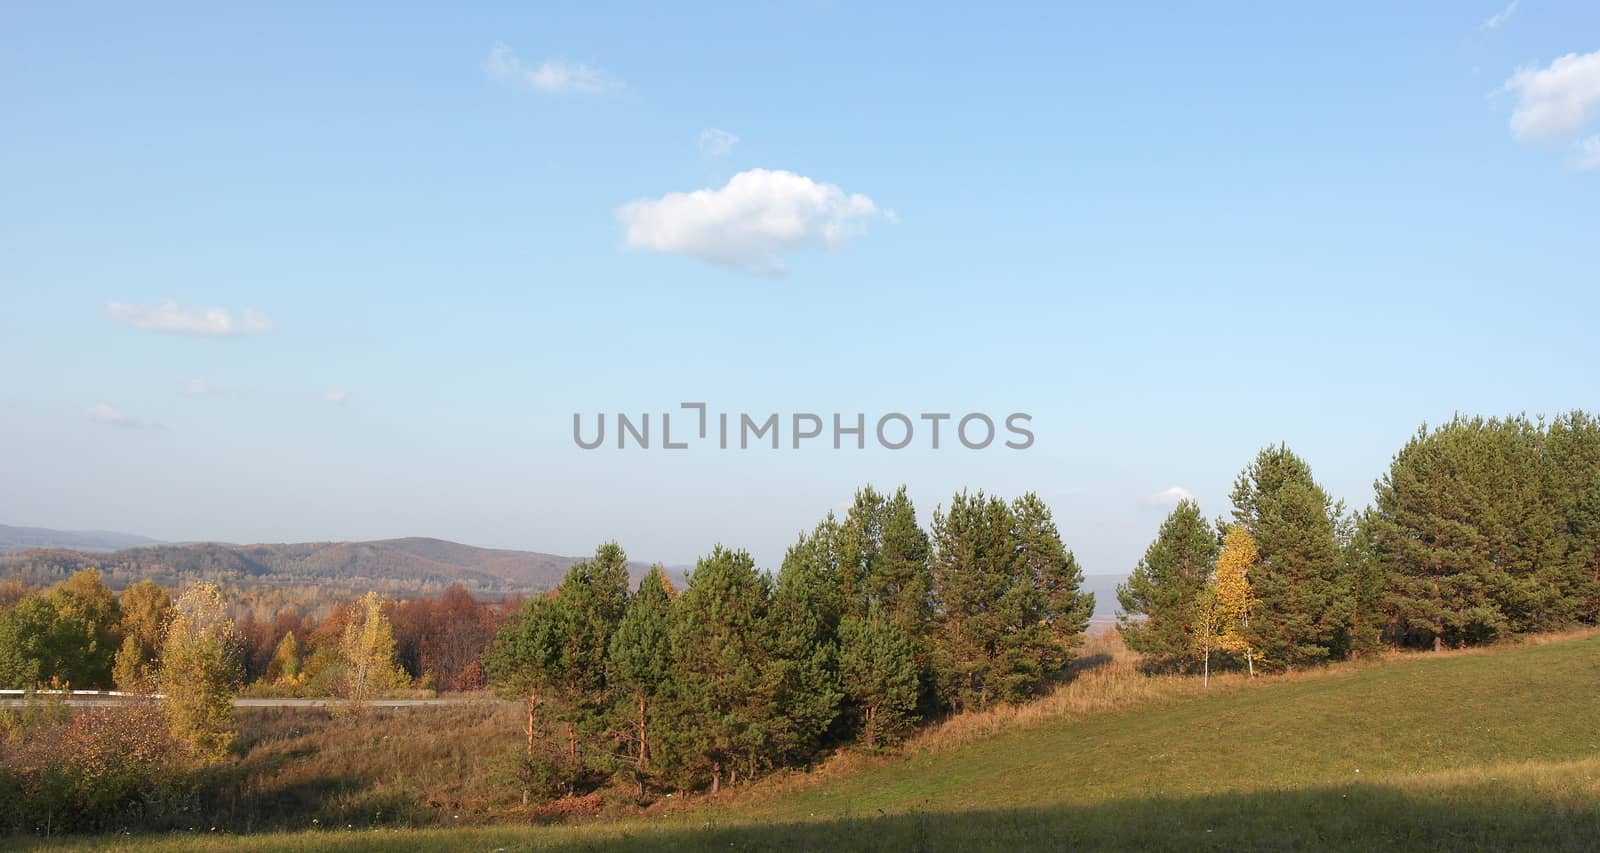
x=70 y=693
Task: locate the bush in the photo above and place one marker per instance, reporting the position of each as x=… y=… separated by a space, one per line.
x=96 y=770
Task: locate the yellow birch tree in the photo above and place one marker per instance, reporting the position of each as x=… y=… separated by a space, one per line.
x=1234 y=596
x=370 y=664
x=199 y=671
x=1208 y=628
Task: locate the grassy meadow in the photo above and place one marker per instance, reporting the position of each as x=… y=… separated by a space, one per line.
x=1491 y=749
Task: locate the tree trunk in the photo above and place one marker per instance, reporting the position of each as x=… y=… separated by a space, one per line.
x=716 y=777
x=533 y=702
x=644 y=748
x=1438 y=621
x=1250 y=661
x=872 y=726
x=572 y=756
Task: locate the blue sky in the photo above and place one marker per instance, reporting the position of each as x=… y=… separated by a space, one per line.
x=1172 y=235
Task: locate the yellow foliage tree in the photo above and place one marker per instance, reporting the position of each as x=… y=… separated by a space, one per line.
x=199 y=671
x=284 y=668
x=1234 y=596
x=146 y=609
x=371 y=666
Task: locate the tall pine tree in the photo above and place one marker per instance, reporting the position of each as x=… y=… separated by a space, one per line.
x=1300 y=598
x=1159 y=599
x=640 y=665
x=719 y=655
x=1008 y=609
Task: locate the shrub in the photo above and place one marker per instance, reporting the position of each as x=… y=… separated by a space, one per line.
x=99 y=769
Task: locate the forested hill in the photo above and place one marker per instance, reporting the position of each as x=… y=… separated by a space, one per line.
x=397 y=566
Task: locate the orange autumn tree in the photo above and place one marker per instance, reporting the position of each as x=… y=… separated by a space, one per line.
x=1233 y=594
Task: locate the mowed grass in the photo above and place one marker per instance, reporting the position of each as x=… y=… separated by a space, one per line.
x=1488 y=750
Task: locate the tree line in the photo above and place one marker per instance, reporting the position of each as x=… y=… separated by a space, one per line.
x=79 y=633
x=871 y=625
x=1482 y=528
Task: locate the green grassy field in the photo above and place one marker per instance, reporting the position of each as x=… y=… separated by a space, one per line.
x=1490 y=750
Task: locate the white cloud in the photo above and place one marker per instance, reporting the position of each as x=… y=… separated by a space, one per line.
x=715 y=142
x=1589 y=154
x=751 y=222
x=104 y=413
x=554 y=76
x=1501 y=17
x=1555 y=102
x=336 y=396
x=1170 y=496
x=200 y=388
x=169 y=317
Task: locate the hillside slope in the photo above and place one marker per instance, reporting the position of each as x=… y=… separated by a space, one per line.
x=398 y=566
x=1491 y=750
x=1404 y=731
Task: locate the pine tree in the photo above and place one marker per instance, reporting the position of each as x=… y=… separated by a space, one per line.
x=553 y=654
x=1300 y=602
x=974 y=565
x=800 y=677
x=879 y=675
x=1007 y=604
x=525 y=660
x=199 y=672
x=900 y=581
x=876 y=556
x=588 y=606
x=1165 y=588
x=1055 y=573
x=1467 y=529
x=1572 y=448
x=640 y=664
x=1424 y=547
x=719 y=659
x=1365 y=579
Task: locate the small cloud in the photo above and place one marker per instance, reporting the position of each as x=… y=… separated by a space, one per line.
x=1588 y=154
x=200 y=388
x=104 y=413
x=715 y=142
x=553 y=76
x=169 y=317
x=1170 y=496
x=336 y=396
x=1555 y=102
x=1500 y=17
x=753 y=221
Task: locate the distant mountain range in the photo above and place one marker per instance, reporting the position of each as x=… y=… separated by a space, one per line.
x=410 y=566
x=398 y=566
x=23 y=538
